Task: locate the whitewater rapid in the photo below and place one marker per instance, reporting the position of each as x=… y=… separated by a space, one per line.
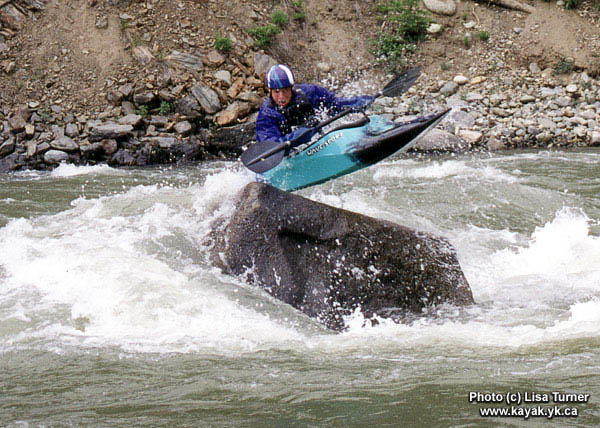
x=128 y=270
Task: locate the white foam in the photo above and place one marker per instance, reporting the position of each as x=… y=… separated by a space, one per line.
x=474 y=330
x=114 y=272
x=70 y=170
x=129 y=271
x=561 y=252
x=354 y=200
x=455 y=169
x=216 y=196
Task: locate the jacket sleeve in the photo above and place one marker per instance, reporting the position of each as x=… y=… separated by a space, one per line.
x=267 y=128
x=321 y=98
x=354 y=102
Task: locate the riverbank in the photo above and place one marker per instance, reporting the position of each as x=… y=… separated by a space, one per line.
x=543 y=110
x=108 y=86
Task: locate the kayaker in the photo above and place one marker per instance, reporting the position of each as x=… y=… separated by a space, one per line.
x=290 y=109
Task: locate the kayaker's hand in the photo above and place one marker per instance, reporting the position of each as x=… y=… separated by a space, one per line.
x=368 y=100
x=300 y=135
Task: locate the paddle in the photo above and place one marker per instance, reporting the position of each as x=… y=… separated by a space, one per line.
x=263 y=156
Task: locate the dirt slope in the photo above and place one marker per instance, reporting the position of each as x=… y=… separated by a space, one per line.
x=74 y=51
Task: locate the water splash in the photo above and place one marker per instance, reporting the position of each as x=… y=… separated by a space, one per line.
x=70 y=170
x=129 y=271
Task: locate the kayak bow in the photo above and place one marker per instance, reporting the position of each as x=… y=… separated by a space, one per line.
x=346 y=149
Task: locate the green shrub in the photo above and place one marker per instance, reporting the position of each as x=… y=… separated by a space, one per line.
x=484 y=36
x=280 y=19
x=143 y=110
x=222 y=44
x=409 y=21
x=467 y=42
x=392 y=49
x=389 y=45
x=564 y=66
x=263 y=36
x=300 y=16
x=165 y=108
x=407 y=24
x=571 y=4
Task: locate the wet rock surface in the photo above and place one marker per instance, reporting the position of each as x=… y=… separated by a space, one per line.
x=328 y=262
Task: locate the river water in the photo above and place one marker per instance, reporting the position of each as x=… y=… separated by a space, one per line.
x=112 y=316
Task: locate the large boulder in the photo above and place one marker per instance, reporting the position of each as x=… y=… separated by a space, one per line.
x=328 y=262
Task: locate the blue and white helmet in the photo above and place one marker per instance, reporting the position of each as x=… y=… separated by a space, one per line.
x=280 y=76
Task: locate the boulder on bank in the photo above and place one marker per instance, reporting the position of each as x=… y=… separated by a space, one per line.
x=328 y=262
x=440 y=141
x=441 y=7
x=109 y=130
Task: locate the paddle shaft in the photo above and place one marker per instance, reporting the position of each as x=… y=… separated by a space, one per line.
x=284 y=145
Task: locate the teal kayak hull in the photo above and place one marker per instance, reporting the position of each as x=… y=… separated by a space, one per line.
x=346 y=150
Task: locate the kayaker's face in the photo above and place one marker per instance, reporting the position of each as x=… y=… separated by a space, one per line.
x=282 y=97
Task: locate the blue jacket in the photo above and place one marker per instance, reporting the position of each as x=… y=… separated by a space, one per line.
x=273 y=122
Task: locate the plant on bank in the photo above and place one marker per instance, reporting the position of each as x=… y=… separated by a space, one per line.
x=409 y=20
x=564 y=66
x=143 y=110
x=571 y=4
x=165 y=108
x=392 y=49
x=467 y=42
x=280 y=19
x=299 y=14
x=263 y=36
x=222 y=44
x=405 y=24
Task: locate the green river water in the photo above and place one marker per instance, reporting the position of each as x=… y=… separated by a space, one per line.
x=112 y=316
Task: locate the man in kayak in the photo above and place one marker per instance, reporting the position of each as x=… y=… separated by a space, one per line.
x=290 y=109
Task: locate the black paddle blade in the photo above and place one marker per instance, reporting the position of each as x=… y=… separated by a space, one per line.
x=255 y=160
x=268 y=150
x=400 y=84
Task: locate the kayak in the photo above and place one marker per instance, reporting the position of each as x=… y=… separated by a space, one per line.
x=345 y=149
